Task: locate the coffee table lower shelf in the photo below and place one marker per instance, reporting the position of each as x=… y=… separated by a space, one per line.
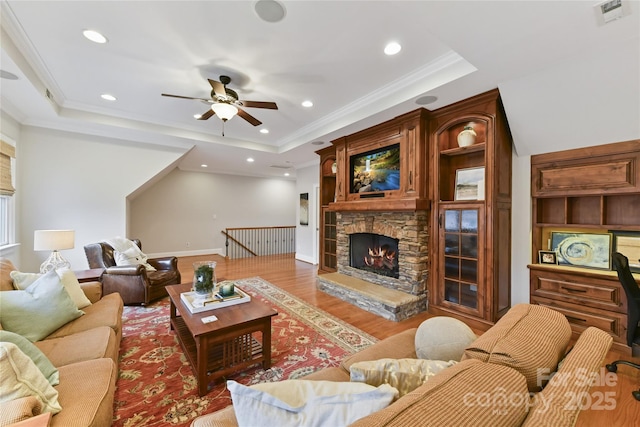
x=224 y=354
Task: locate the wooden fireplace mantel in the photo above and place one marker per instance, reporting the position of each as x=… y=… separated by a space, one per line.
x=381 y=205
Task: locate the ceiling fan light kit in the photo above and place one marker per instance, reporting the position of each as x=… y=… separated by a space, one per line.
x=224 y=111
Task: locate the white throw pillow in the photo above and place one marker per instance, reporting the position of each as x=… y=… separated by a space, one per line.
x=443 y=338
x=22 y=281
x=307 y=403
x=22 y=378
x=403 y=374
x=132 y=256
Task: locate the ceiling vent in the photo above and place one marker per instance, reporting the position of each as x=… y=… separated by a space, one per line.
x=609 y=11
x=281 y=166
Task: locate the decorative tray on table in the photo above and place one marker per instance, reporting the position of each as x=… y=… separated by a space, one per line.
x=198 y=305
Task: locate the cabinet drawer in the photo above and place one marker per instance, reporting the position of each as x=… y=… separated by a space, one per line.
x=580 y=317
x=599 y=293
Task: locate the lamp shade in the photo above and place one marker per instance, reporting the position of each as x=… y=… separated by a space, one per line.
x=224 y=111
x=53 y=240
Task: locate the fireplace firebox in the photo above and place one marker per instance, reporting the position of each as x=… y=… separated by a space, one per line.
x=374 y=253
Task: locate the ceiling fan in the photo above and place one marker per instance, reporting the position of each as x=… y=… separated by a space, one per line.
x=226 y=104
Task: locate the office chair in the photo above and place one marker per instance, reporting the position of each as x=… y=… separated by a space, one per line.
x=631 y=289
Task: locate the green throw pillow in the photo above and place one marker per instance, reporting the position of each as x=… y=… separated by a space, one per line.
x=38 y=310
x=49 y=371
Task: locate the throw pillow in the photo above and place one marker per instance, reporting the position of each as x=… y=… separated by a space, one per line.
x=403 y=374
x=49 y=371
x=68 y=278
x=306 y=402
x=443 y=338
x=132 y=256
x=21 y=378
x=38 y=310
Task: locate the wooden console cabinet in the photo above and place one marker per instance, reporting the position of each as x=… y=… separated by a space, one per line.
x=470 y=248
x=593 y=190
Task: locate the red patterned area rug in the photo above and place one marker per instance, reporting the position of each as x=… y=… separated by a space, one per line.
x=157 y=387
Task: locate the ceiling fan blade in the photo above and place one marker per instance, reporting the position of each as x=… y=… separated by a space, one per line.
x=207 y=114
x=259 y=104
x=248 y=117
x=218 y=88
x=186 y=97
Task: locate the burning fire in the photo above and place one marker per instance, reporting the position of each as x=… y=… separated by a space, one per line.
x=382 y=257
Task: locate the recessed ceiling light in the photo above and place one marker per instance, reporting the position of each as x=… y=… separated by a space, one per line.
x=204 y=166
x=265 y=131
x=94 y=36
x=108 y=97
x=286 y=174
x=197 y=116
x=270 y=10
x=250 y=160
x=7 y=75
x=307 y=103
x=392 y=48
x=427 y=99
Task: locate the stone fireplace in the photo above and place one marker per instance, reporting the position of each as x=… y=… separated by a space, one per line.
x=394 y=242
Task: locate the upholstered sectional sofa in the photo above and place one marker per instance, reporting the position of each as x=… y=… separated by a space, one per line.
x=85 y=353
x=501 y=380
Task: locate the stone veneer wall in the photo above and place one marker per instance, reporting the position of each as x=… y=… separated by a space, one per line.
x=412 y=231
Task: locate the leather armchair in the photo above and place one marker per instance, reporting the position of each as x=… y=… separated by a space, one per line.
x=134 y=283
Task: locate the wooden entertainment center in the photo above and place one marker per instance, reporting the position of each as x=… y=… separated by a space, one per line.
x=464 y=280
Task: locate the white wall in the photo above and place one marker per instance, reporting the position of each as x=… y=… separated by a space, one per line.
x=307 y=179
x=520 y=228
x=185 y=212
x=80 y=182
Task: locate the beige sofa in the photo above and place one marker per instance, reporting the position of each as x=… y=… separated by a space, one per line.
x=496 y=382
x=85 y=351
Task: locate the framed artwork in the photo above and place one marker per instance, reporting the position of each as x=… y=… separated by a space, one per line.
x=469 y=184
x=591 y=250
x=628 y=244
x=304 y=208
x=547 y=257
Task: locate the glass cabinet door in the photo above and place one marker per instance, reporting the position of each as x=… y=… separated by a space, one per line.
x=460 y=267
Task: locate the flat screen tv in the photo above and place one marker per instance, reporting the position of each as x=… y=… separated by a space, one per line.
x=376 y=170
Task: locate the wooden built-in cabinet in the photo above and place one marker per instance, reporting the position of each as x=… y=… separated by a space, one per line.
x=470 y=275
x=327 y=217
x=594 y=190
x=409 y=131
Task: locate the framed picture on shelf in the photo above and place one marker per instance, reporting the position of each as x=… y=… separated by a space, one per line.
x=628 y=244
x=590 y=250
x=547 y=257
x=469 y=184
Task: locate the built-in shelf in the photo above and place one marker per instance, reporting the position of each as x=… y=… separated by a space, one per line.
x=595 y=190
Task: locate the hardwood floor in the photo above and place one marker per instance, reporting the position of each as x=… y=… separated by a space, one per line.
x=299 y=279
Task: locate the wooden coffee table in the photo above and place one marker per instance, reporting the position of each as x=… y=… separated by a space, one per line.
x=239 y=338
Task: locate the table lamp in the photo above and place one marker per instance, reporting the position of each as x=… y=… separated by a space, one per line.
x=53 y=240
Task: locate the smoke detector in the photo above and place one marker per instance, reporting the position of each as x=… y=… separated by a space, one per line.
x=612 y=10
